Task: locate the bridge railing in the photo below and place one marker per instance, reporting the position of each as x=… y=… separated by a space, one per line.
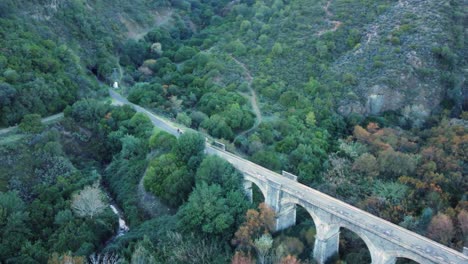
x=219 y=145
x=409 y=240
x=289 y=175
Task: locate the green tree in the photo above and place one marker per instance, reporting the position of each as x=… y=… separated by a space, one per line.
x=133 y=147
x=263 y=245
x=394 y=164
x=140 y=125
x=158 y=170
x=237 y=47
x=237 y=118
x=211 y=210
x=218 y=127
x=310 y=119
x=189 y=149
x=169 y=179
x=184 y=119
x=245 y=25
x=289 y=98
x=206 y=209
x=312 y=86
x=184 y=53
x=268 y=159
x=277 y=49
x=214 y=170
x=162 y=141
x=367 y=165
x=14 y=228
x=31 y=124
x=143 y=252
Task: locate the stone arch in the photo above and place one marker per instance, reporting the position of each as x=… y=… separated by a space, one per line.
x=371 y=247
x=407 y=255
x=261 y=186
x=400 y=260
x=293 y=201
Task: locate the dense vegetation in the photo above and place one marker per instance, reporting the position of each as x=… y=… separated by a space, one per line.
x=51 y=199
x=50 y=49
x=340 y=93
x=302 y=79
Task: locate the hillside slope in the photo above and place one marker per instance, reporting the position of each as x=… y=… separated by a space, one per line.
x=52 y=51
x=407 y=60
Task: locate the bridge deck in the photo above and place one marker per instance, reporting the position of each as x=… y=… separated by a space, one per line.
x=386 y=230
x=407 y=239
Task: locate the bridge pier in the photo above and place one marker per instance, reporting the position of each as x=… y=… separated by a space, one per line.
x=273 y=195
x=248 y=190
x=286 y=217
x=326 y=242
x=329 y=219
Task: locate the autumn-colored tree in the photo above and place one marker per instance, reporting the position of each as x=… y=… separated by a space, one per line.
x=290 y=259
x=372 y=127
x=463 y=221
x=371 y=139
x=441 y=228
x=66 y=258
x=361 y=134
x=267 y=217
x=242 y=258
x=443 y=161
x=373 y=205
x=291 y=246
x=256 y=223
x=387 y=136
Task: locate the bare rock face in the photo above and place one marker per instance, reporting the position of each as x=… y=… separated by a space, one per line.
x=395 y=66
x=414 y=60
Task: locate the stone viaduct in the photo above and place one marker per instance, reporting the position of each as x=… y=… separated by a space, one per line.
x=385 y=241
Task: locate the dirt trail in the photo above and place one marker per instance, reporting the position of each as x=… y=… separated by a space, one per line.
x=43 y=120
x=252 y=97
x=336 y=24
x=137 y=32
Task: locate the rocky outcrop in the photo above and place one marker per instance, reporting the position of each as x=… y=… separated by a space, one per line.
x=394 y=66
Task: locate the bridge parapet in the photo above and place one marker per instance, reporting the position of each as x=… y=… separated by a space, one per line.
x=386 y=241
x=289 y=175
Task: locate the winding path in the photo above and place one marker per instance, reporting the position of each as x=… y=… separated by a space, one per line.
x=253 y=99
x=336 y=23
x=43 y=120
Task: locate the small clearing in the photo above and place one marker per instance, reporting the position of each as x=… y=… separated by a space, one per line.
x=136 y=31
